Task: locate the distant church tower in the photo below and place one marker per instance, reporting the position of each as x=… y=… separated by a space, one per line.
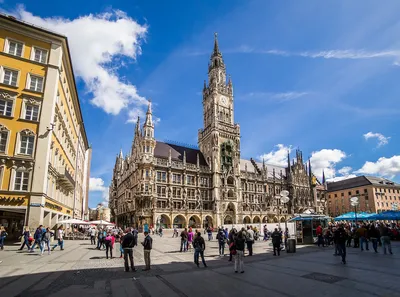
x=219 y=140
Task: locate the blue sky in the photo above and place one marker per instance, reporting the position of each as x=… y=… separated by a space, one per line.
x=319 y=75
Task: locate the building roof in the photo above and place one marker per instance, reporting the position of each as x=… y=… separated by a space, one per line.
x=270 y=168
x=359 y=181
x=177 y=151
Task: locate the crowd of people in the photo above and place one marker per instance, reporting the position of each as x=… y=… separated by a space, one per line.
x=359 y=234
x=127 y=240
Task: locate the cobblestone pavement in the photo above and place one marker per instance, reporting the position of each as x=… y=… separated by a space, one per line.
x=81 y=269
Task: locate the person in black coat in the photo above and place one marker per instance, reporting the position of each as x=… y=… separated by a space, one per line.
x=128 y=243
x=276 y=237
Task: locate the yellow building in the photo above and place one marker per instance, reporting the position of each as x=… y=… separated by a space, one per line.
x=44 y=151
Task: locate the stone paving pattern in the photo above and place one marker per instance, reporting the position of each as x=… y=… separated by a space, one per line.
x=81 y=269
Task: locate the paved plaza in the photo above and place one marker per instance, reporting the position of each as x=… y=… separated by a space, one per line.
x=81 y=269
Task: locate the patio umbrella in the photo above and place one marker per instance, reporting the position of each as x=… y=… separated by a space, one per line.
x=100 y=222
x=73 y=222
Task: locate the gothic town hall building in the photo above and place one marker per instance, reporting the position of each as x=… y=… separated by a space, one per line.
x=165 y=184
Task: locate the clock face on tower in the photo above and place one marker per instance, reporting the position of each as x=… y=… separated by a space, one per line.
x=223 y=100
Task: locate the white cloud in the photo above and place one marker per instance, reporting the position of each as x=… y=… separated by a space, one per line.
x=350 y=54
x=339 y=178
x=389 y=167
x=277 y=157
x=326 y=54
x=280 y=97
x=135 y=112
x=98 y=42
x=382 y=139
x=96 y=184
x=326 y=160
x=287 y=96
x=345 y=170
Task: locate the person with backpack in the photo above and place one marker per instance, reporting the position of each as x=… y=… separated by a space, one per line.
x=340 y=236
x=128 y=244
x=221 y=242
x=199 y=246
x=109 y=241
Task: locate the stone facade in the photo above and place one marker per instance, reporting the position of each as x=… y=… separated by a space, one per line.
x=171 y=185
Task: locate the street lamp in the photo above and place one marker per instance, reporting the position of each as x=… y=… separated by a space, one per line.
x=354 y=201
x=282 y=198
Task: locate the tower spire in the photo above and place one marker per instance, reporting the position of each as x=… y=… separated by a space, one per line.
x=149 y=116
x=216 y=47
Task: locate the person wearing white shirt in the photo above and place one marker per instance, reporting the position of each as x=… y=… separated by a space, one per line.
x=60 y=233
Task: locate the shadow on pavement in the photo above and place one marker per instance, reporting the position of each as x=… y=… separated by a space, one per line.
x=101 y=281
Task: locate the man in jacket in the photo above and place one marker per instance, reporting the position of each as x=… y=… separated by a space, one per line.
x=250 y=240
x=37 y=237
x=127 y=245
x=221 y=241
x=340 y=236
x=184 y=238
x=199 y=246
x=276 y=237
x=147 y=246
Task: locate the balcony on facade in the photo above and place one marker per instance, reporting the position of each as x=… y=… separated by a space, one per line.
x=65 y=178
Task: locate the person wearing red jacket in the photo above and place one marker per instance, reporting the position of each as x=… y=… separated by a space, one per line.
x=320 y=237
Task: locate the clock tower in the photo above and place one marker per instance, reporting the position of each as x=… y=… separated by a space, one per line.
x=219 y=140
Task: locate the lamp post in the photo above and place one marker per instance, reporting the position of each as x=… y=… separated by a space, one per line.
x=282 y=198
x=354 y=201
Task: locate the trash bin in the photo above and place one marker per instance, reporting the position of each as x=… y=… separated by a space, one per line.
x=291 y=248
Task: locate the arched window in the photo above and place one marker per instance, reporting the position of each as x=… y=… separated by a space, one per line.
x=230 y=181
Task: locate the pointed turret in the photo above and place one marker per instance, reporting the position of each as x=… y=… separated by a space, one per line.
x=323 y=177
x=288 y=162
x=309 y=168
x=137 y=127
x=216 y=47
x=149 y=117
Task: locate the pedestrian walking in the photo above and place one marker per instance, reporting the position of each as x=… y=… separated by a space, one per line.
x=239 y=248
x=209 y=232
x=340 y=236
x=109 y=241
x=60 y=239
x=276 y=237
x=128 y=244
x=160 y=231
x=147 y=246
x=318 y=232
x=3 y=235
x=46 y=239
x=199 y=247
x=38 y=238
x=26 y=235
